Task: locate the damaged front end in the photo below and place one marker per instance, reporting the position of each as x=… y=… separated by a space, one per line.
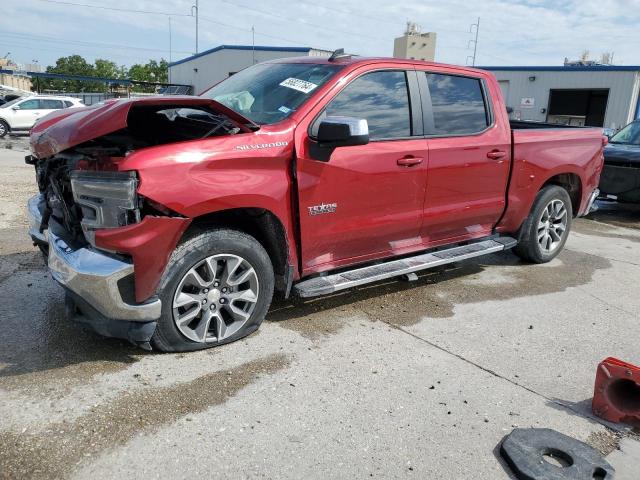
x=106 y=244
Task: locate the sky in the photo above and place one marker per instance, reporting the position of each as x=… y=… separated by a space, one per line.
x=512 y=32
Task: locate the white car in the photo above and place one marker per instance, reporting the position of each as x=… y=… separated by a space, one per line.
x=22 y=113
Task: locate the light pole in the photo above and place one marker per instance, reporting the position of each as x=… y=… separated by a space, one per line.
x=194 y=8
x=36 y=69
x=170 y=53
x=474 y=41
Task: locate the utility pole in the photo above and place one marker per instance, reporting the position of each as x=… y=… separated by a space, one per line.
x=170 y=52
x=195 y=8
x=474 y=41
x=253 y=45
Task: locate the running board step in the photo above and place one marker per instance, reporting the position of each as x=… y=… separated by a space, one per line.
x=360 y=276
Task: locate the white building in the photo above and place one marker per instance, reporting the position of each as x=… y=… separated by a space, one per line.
x=207 y=68
x=581 y=95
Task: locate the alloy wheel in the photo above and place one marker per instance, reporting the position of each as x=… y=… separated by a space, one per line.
x=215 y=298
x=552 y=226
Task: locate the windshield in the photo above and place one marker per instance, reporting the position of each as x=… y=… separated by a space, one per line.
x=12 y=102
x=270 y=92
x=629 y=135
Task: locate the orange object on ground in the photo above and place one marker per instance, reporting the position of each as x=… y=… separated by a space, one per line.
x=616 y=396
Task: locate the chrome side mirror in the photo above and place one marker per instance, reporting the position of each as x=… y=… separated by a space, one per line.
x=336 y=132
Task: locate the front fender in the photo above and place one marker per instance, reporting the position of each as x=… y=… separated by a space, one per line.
x=202 y=177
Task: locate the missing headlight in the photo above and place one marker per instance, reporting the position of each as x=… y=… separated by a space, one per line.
x=107 y=200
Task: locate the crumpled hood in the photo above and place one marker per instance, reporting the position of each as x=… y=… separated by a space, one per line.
x=64 y=129
x=624 y=155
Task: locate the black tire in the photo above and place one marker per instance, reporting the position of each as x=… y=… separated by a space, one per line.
x=167 y=337
x=529 y=247
x=4 y=128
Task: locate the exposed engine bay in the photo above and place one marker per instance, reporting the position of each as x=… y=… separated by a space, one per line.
x=152 y=125
x=82 y=188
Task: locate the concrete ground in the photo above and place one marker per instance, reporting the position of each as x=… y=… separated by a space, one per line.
x=396 y=380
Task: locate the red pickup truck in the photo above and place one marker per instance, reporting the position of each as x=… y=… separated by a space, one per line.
x=171 y=221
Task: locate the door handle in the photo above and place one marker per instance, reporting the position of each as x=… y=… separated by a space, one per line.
x=409 y=161
x=496 y=154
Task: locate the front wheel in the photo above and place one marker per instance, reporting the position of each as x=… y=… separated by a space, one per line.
x=217 y=289
x=545 y=231
x=4 y=128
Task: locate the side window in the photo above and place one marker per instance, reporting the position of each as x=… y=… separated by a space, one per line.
x=382 y=98
x=33 y=104
x=67 y=103
x=50 y=104
x=458 y=105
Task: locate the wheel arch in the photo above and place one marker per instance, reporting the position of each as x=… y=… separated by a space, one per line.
x=261 y=224
x=572 y=183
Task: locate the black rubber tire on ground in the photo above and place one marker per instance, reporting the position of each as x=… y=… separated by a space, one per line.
x=528 y=247
x=4 y=128
x=167 y=337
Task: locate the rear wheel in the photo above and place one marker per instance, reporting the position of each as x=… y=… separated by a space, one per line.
x=217 y=288
x=545 y=231
x=4 y=128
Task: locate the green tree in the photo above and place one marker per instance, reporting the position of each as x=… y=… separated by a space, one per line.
x=71 y=65
x=108 y=69
x=152 y=71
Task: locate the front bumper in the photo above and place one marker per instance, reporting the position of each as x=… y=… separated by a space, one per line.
x=35 y=219
x=621 y=181
x=90 y=275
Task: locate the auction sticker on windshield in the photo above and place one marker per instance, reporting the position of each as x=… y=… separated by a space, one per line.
x=297 y=84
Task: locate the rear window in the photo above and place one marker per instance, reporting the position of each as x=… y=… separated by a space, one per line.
x=458 y=105
x=50 y=104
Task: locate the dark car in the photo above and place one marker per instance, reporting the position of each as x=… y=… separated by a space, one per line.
x=621 y=174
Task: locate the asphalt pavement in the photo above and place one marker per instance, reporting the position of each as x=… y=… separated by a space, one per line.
x=396 y=380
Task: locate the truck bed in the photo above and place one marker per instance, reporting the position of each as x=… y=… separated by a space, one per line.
x=524 y=125
x=540 y=151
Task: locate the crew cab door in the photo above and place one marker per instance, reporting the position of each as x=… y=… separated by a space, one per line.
x=469 y=156
x=25 y=113
x=48 y=105
x=363 y=202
